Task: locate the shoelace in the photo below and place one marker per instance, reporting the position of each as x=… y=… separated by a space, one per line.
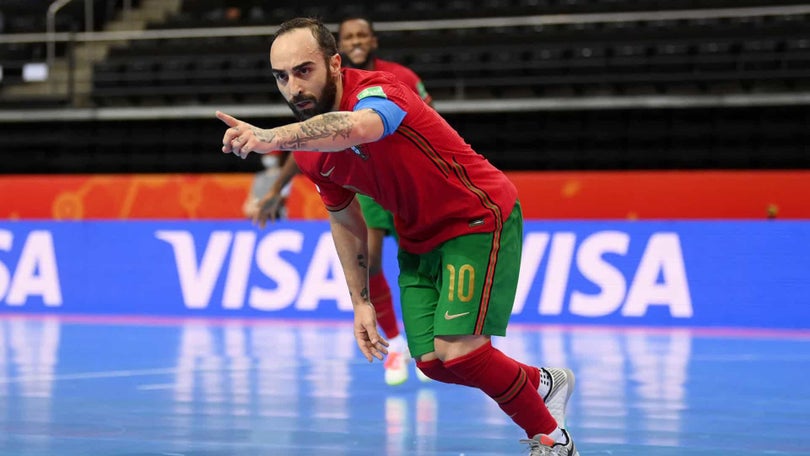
x=536 y=448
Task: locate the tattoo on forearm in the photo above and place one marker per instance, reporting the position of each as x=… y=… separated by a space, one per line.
x=361 y=260
x=330 y=125
x=265 y=136
x=363 y=293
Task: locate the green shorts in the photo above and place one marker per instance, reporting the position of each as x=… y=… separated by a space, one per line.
x=465 y=286
x=376 y=217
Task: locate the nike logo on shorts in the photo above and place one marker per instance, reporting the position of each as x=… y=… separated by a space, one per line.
x=448 y=316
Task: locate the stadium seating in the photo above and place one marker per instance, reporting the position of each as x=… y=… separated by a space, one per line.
x=666 y=56
x=570 y=59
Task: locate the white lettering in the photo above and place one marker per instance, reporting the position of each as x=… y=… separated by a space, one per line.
x=557 y=273
x=324 y=279
x=534 y=247
x=36 y=272
x=239 y=270
x=197 y=284
x=6 y=240
x=664 y=254
x=270 y=262
x=594 y=267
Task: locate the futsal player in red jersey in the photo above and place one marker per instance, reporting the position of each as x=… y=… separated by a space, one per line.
x=357 y=44
x=457 y=216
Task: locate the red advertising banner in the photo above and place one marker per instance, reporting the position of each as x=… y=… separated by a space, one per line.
x=544 y=195
x=664 y=194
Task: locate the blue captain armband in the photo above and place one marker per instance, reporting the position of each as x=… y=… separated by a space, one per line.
x=389 y=112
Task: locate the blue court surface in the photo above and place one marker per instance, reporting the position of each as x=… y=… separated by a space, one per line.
x=126 y=387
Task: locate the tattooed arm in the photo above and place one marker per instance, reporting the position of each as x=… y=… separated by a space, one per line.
x=330 y=132
x=349 y=233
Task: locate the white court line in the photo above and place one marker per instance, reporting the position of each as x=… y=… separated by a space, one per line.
x=123 y=373
x=156 y=386
x=112 y=374
x=89 y=375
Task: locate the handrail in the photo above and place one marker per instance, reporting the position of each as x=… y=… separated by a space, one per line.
x=50 y=30
x=534 y=20
x=443 y=106
x=88 y=16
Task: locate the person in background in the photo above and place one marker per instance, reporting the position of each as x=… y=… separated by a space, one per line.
x=458 y=218
x=262 y=183
x=357 y=44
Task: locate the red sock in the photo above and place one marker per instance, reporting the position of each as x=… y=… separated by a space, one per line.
x=435 y=369
x=383 y=304
x=532 y=373
x=504 y=380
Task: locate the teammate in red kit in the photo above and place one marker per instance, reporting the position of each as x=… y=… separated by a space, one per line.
x=357 y=44
x=459 y=223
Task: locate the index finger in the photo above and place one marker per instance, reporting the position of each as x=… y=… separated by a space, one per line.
x=260 y=218
x=229 y=120
x=377 y=344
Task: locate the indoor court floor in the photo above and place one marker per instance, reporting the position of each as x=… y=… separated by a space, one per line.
x=143 y=387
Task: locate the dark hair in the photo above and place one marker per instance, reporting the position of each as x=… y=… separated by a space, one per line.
x=357 y=17
x=325 y=39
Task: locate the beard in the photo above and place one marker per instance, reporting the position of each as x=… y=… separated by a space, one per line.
x=320 y=106
x=364 y=65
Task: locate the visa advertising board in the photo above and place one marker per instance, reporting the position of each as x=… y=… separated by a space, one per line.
x=753 y=274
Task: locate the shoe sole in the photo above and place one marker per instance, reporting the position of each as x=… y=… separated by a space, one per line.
x=399 y=380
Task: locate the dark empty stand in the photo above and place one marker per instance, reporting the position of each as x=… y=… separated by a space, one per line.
x=697 y=56
x=665 y=57
x=700 y=138
x=212 y=13
x=654 y=56
x=28 y=16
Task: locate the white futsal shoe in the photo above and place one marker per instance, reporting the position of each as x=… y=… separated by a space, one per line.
x=397 y=361
x=422 y=377
x=396 y=367
x=543 y=445
x=556 y=386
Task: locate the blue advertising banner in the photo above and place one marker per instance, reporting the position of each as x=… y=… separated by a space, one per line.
x=696 y=274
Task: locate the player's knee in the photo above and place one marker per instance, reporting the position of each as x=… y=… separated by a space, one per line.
x=452 y=347
x=434 y=369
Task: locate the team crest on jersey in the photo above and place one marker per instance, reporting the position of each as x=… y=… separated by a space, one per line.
x=375 y=91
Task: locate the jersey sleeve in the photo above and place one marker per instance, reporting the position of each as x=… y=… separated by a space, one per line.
x=333 y=196
x=390 y=113
x=409 y=77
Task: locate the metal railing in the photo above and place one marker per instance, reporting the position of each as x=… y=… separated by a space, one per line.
x=50 y=23
x=444 y=24
x=51 y=37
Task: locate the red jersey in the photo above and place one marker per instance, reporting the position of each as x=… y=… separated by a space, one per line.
x=405 y=75
x=424 y=173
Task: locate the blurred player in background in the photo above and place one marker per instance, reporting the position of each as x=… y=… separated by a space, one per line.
x=459 y=222
x=262 y=183
x=358 y=44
